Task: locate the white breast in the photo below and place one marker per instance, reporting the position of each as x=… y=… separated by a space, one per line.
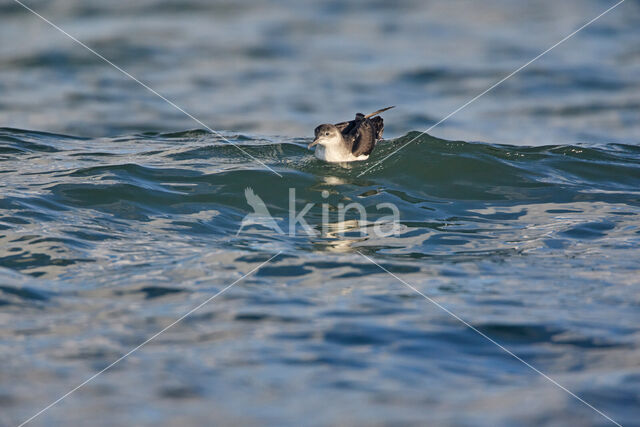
x=335 y=155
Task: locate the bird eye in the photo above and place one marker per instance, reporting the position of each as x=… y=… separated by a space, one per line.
x=326 y=133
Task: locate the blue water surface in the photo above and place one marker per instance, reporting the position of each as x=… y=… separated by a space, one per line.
x=119 y=214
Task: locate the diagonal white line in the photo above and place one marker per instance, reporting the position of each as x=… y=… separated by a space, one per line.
x=154 y=336
x=168 y=101
x=522 y=67
x=473 y=328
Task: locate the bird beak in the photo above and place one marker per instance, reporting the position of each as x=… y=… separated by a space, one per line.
x=315 y=142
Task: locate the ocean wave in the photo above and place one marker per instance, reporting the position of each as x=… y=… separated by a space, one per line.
x=455 y=198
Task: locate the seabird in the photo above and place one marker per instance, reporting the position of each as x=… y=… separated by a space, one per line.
x=349 y=141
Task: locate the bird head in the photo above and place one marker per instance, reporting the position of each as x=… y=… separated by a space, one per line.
x=326 y=135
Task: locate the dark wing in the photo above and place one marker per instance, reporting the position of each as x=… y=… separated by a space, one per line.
x=378 y=125
x=343 y=125
x=362 y=134
x=349 y=131
x=347 y=128
x=365 y=138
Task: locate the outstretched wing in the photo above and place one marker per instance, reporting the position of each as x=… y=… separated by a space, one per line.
x=254 y=200
x=362 y=133
x=365 y=138
x=378 y=126
x=343 y=125
x=249 y=194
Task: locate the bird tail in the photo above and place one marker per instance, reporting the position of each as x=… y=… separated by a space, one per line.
x=378 y=112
